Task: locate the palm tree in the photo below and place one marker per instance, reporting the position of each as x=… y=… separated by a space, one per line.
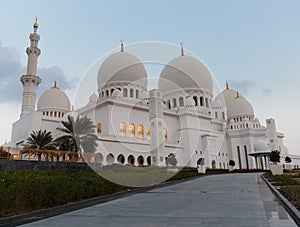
x=78 y=135
x=40 y=140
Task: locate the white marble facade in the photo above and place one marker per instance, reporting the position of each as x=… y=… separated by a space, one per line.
x=139 y=127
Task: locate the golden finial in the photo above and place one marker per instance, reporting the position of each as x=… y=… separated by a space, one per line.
x=72 y=108
x=36 y=25
x=227 y=87
x=55 y=83
x=182 y=50
x=122 y=46
x=237 y=94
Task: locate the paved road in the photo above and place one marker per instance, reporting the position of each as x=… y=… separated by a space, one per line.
x=219 y=200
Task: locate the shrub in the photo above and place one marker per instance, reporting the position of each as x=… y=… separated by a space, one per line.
x=288 y=159
x=231 y=162
x=275 y=156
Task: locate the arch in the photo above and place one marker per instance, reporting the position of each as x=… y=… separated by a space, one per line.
x=200 y=161
x=174 y=103
x=149 y=160
x=122 y=129
x=131 y=92
x=107 y=93
x=130 y=160
x=121 y=159
x=140 y=160
x=213 y=164
x=137 y=94
x=110 y=159
x=148 y=133
x=181 y=103
x=125 y=92
x=165 y=135
x=201 y=101
x=112 y=90
x=169 y=104
x=195 y=100
x=98 y=158
x=206 y=102
x=132 y=130
x=99 y=129
x=141 y=132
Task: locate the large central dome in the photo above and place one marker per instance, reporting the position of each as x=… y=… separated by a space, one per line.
x=185 y=72
x=122 y=67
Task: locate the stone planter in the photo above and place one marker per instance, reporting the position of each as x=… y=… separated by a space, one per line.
x=231 y=168
x=276 y=169
x=288 y=166
x=201 y=169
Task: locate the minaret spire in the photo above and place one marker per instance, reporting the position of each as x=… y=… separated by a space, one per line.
x=227 y=86
x=182 y=50
x=30 y=81
x=237 y=94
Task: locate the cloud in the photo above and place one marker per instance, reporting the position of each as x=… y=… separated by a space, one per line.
x=243 y=86
x=11 y=69
x=247 y=87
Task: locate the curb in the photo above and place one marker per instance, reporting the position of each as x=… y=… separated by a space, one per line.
x=53 y=211
x=293 y=212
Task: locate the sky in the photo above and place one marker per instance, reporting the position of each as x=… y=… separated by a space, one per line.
x=255 y=45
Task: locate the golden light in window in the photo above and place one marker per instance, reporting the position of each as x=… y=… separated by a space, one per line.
x=122 y=129
x=99 y=129
x=148 y=132
x=132 y=130
x=165 y=135
x=141 y=132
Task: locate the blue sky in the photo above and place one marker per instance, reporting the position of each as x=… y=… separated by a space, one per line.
x=253 y=44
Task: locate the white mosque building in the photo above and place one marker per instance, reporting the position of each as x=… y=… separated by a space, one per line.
x=140 y=127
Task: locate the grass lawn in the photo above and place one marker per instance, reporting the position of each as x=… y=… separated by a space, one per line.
x=288 y=185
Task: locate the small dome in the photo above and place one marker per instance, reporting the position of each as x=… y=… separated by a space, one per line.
x=122 y=67
x=235 y=103
x=189 y=101
x=93 y=98
x=217 y=103
x=116 y=93
x=231 y=121
x=54 y=99
x=256 y=120
x=261 y=146
x=185 y=72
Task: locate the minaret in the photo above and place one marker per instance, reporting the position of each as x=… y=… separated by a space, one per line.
x=30 y=81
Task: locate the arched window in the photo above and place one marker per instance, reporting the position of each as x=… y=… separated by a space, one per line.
x=55 y=114
x=223 y=115
x=50 y=113
x=122 y=129
x=125 y=92
x=131 y=93
x=141 y=132
x=148 y=132
x=174 y=103
x=216 y=114
x=99 y=129
x=137 y=94
x=111 y=90
x=121 y=159
x=201 y=101
x=169 y=104
x=165 y=135
x=110 y=159
x=107 y=93
x=206 y=101
x=140 y=160
x=130 y=160
x=102 y=93
x=195 y=100
x=181 y=101
x=132 y=130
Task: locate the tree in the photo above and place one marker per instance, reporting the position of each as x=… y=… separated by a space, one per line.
x=171 y=160
x=232 y=163
x=78 y=135
x=288 y=159
x=275 y=156
x=40 y=140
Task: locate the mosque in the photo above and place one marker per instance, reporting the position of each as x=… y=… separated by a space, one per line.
x=140 y=127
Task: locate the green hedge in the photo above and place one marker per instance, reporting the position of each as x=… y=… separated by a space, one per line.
x=22 y=191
